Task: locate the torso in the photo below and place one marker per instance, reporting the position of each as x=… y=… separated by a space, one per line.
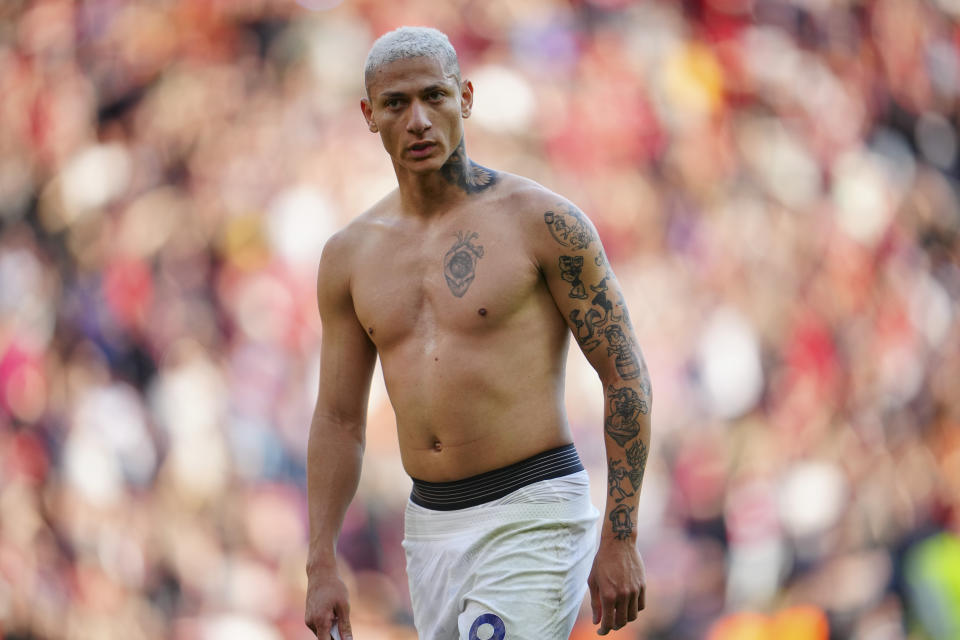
x=475 y=379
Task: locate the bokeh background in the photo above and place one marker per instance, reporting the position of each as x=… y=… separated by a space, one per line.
x=775 y=182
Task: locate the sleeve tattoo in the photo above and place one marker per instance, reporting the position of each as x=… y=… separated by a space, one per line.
x=597 y=321
x=622 y=425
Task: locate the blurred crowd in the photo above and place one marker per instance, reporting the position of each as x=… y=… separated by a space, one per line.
x=775 y=181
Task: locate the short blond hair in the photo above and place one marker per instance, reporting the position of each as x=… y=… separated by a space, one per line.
x=411 y=42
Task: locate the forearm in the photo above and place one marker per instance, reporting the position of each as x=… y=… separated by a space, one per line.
x=334 y=457
x=627 y=439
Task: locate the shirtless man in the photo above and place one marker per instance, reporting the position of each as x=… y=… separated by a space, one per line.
x=467 y=282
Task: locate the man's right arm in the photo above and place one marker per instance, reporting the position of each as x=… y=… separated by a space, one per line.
x=335 y=446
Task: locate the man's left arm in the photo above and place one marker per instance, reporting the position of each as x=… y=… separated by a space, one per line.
x=589 y=297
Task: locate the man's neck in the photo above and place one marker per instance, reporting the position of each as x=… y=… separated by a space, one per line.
x=431 y=193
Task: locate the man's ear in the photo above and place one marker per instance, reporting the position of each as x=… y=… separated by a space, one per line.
x=367 y=110
x=466 y=98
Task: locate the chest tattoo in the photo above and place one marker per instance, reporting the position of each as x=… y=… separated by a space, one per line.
x=460 y=262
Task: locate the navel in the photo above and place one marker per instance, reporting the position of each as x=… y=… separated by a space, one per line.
x=437 y=445
x=482 y=311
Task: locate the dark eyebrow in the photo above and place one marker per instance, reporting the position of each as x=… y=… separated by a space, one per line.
x=387 y=95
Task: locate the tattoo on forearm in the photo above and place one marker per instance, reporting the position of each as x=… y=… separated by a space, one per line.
x=626 y=406
x=637 y=461
x=466 y=174
x=621 y=522
x=460 y=263
x=615 y=477
x=569 y=227
x=570 y=268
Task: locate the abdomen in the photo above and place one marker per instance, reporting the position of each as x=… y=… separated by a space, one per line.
x=477 y=402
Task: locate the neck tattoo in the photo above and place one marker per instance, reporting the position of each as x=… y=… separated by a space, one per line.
x=459 y=170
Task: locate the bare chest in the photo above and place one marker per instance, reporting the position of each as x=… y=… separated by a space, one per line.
x=458 y=278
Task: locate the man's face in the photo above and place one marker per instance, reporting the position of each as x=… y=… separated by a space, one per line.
x=417 y=110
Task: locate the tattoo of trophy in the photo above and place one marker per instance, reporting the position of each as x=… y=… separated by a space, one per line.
x=460 y=263
x=570 y=268
x=620 y=521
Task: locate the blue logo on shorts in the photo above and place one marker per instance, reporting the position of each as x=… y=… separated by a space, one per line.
x=499 y=632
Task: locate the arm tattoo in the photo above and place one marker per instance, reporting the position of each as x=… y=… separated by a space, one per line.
x=460 y=263
x=620 y=345
x=621 y=522
x=569 y=227
x=466 y=174
x=625 y=315
x=587 y=329
x=615 y=477
x=626 y=405
x=570 y=268
x=637 y=459
x=602 y=320
x=600 y=300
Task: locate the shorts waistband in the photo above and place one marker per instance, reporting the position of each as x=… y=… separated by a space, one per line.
x=492 y=485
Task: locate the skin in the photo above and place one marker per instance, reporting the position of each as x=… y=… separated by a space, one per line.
x=467 y=283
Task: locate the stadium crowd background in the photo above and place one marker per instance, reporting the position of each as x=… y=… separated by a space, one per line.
x=776 y=185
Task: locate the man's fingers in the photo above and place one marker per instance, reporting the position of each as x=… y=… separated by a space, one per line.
x=642 y=604
x=632 y=607
x=343 y=621
x=595 y=601
x=609 y=610
x=320 y=628
x=620 y=615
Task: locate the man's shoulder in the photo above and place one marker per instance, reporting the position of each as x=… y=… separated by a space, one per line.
x=524 y=194
x=534 y=206
x=349 y=239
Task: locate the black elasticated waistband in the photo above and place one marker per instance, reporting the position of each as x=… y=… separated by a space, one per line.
x=491 y=485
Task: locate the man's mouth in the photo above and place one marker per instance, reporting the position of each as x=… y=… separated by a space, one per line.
x=420 y=148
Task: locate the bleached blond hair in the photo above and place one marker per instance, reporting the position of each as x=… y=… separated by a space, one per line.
x=411 y=42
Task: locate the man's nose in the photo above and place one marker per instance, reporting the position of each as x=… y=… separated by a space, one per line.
x=419 y=119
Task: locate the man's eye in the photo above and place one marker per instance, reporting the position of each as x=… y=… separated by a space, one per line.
x=391 y=103
x=435 y=95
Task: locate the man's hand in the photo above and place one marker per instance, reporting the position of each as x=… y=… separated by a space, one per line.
x=327 y=605
x=617 y=584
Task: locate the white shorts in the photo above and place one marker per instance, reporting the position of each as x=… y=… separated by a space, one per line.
x=514 y=568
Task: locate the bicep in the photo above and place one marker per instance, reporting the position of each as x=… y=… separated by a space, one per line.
x=347 y=356
x=347 y=359
x=587 y=293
